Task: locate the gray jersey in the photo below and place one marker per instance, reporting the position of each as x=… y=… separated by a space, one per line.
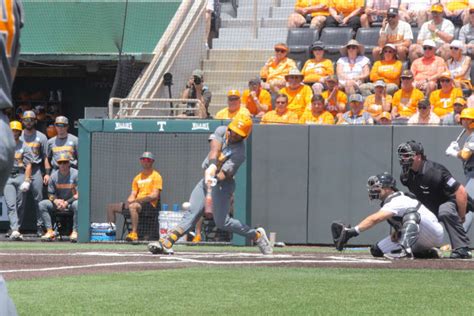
x=12 y=20
x=38 y=143
x=23 y=156
x=231 y=156
x=62 y=186
x=57 y=146
x=469 y=145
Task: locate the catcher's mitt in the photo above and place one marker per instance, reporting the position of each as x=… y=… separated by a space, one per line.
x=341 y=234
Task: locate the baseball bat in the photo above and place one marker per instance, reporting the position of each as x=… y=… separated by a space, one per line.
x=208 y=202
x=460 y=135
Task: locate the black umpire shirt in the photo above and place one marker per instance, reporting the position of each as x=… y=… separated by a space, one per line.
x=433 y=185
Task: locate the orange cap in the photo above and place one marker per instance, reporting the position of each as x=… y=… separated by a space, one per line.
x=386 y=115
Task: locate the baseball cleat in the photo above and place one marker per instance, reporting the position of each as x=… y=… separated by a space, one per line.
x=73 y=236
x=155 y=248
x=461 y=253
x=402 y=255
x=132 y=236
x=49 y=236
x=16 y=236
x=262 y=242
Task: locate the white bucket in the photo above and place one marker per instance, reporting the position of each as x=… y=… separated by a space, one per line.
x=169 y=220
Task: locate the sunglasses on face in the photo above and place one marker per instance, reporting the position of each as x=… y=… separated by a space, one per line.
x=444 y=80
x=280 y=51
x=146 y=160
x=293 y=77
x=28 y=120
x=454 y=48
x=428 y=48
x=406 y=78
x=391 y=16
x=233 y=98
x=60 y=125
x=352 y=47
x=423 y=107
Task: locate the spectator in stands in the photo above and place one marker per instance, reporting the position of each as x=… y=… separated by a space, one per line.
x=345 y=13
x=196 y=89
x=257 y=100
x=317 y=68
x=144 y=197
x=442 y=99
x=395 y=32
x=457 y=11
x=378 y=102
x=356 y=115
x=353 y=67
x=299 y=94
x=63 y=142
x=276 y=68
x=317 y=115
x=454 y=117
x=405 y=101
x=415 y=11
x=439 y=30
x=427 y=69
x=459 y=65
x=466 y=33
x=334 y=99
x=424 y=116
x=210 y=8
x=388 y=70
x=470 y=101
x=62 y=196
x=309 y=11
x=376 y=11
x=281 y=114
x=385 y=119
x=233 y=108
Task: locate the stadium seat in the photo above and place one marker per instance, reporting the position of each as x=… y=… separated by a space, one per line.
x=334 y=38
x=456 y=32
x=415 y=31
x=368 y=37
x=299 y=40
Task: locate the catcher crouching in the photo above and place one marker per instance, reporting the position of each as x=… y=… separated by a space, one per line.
x=416 y=232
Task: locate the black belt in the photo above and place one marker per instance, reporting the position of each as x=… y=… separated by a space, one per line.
x=469 y=169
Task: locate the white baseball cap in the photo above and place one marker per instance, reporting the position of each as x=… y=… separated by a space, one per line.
x=429 y=42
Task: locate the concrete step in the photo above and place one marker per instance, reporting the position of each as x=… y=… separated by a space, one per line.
x=220 y=85
x=240 y=54
x=250 y=44
x=233 y=65
x=232 y=76
x=281 y=12
x=243 y=34
x=246 y=12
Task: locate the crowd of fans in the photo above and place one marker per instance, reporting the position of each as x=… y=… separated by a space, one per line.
x=400 y=81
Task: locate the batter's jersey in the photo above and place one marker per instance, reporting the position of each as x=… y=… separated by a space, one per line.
x=57 y=146
x=23 y=157
x=63 y=186
x=469 y=145
x=38 y=143
x=398 y=204
x=11 y=22
x=232 y=154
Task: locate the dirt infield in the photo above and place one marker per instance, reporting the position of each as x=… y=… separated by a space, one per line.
x=42 y=264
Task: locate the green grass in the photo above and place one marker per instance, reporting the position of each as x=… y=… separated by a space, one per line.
x=250 y=291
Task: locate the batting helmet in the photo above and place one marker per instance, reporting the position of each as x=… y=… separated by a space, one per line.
x=376 y=183
x=468 y=113
x=242 y=125
x=15 y=125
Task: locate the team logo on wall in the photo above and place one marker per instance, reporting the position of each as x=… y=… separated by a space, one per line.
x=123 y=126
x=200 y=126
x=162 y=125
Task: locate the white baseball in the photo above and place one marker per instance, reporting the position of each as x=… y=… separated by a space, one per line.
x=186 y=206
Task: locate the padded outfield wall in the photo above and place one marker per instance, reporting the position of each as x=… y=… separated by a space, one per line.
x=296 y=180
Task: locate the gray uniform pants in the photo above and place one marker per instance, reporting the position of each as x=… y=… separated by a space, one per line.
x=470 y=191
x=7 y=150
x=36 y=189
x=221 y=196
x=15 y=201
x=448 y=215
x=46 y=207
x=7 y=307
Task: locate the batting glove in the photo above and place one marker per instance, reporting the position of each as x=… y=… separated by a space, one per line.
x=452 y=150
x=210 y=173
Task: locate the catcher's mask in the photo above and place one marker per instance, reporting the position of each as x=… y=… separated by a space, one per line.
x=375 y=184
x=407 y=152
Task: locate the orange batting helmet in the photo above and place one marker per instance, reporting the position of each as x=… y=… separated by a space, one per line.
x=242 y=125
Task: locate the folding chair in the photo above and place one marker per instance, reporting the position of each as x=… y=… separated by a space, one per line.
x=148 y=226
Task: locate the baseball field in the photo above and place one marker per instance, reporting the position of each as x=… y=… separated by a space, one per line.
x=121 y=279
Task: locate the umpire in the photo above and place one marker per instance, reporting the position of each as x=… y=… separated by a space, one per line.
x=436 y=188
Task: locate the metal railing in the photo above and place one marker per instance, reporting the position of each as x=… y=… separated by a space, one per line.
x=133 y=108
